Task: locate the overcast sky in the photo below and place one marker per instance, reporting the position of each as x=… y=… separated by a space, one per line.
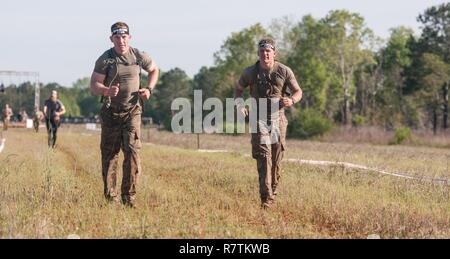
x=62 y=39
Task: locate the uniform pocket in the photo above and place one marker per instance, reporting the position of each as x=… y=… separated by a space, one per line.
x=283 y=130
x=132 y=141
x=137 y=139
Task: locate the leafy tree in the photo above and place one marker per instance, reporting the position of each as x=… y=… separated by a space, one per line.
x=349 y=44
x=207 y=80
x=240 y=50
x=435 y=36
x=282 y=31
x=436 y=74
x=391 y=107
x=435 y=39
x=173 y=84
x=307 y=64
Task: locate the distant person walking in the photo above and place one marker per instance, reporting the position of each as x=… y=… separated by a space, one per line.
x=268 y=80
x=116 y=77
x=37 y=118
x=23 y=115
x=53 y=109
x=6 y=116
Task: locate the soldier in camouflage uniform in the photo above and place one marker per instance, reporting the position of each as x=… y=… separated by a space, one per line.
x=37 y=118
x=6 y=116
x=116 y=77
x=268 y=80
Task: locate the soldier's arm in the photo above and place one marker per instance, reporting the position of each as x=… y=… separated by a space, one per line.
x=153 y=74
x=238 y=97
x=152 y=79
x=297 y=94
x=45 y=111
x=63 y=110
x=241 y=84
x=97 y=86
x=295 y=90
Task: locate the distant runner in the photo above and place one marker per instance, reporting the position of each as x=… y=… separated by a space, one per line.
x=6 y=116
x=53 y=109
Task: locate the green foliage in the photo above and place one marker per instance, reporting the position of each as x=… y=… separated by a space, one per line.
x=282 y=31
x=173 y=84
x=70 y=103
x=18 y=97
x=348 y=44
x=358 y=120
x=308 y=123
x=435 y=36
x=82 y=83
x=396 y=52
x=207 y=80
x=402 y=134
x=90 y=106
x=306 y=62
x=239 y=51
x=435 y=73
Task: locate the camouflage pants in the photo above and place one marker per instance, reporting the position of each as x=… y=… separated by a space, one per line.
x=36 y=124
x=268 y=149
x=52 y=130
x=120 y=130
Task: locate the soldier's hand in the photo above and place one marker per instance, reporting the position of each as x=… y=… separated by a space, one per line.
x=287 y=102
x=243 y=111
x=113 y=90
x=144 y=93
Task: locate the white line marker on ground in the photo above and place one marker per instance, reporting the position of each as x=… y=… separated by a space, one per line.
x=347 y=165
x=366 y=168
x=212 y=151
x=2 y=144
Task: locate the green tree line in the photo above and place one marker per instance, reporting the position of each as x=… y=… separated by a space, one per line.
x=348 y=75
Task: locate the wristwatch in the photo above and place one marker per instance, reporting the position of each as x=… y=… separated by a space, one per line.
x=150 y=90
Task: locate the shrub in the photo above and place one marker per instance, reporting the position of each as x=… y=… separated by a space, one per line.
x=401 y=134
x=308 y=123
x=358 y=121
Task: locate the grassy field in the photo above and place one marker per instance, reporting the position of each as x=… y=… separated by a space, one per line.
x=184 y=193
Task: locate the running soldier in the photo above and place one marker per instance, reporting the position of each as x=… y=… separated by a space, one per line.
x=268 y=80
x=37 y=118
x=7 y=113
x=116 y=77
x=53 y=109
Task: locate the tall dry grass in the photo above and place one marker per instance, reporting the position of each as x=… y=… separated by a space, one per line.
x=186 y=194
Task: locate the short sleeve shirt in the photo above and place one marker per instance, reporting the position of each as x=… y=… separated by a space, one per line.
x=53 y=107
x=269 y=84
x=123 y=70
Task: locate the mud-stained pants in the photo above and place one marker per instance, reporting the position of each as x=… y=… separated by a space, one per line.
x=268 y=150
x=121 y=130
